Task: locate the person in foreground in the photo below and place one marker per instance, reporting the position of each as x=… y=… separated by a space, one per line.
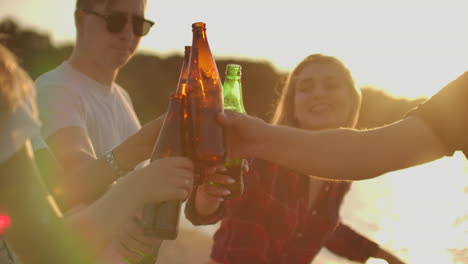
x=38 y=232
x=284 y=216
x=435 y=129
x=31 y=229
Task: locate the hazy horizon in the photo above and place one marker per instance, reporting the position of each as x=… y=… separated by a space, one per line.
x=408 y=47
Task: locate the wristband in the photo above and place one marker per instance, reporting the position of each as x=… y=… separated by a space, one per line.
x=114 y=164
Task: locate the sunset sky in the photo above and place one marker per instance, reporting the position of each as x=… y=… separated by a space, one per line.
x=409 y=47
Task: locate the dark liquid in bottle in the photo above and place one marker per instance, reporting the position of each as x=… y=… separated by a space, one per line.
x=235 y=170
x=162 y=220
x=207 y=137
x=165 y=217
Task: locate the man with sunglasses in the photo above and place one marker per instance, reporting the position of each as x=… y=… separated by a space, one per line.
x=89 y=120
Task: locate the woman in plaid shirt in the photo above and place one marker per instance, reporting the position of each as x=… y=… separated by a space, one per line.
x=284 y=216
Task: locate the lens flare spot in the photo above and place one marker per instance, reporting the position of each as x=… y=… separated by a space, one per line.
x=4 y=222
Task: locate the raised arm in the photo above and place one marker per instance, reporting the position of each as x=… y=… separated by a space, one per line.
x=435 y=129
x=343 y=154
x=347 y=243
x=162 y=180
x=87 y=177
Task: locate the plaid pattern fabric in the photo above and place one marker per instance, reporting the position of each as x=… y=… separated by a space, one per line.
x=272 y=221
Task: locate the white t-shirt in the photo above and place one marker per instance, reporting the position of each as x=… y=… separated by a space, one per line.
x=68 y=98
x=15 y=129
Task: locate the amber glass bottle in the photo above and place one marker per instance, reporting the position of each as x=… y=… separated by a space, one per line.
x=205 y=99
x=162 y=220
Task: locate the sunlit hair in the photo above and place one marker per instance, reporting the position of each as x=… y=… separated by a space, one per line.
x=90 y=4
x=15 y=84
x=284 y=113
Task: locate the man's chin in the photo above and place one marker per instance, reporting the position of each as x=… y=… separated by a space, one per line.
x=119 y=63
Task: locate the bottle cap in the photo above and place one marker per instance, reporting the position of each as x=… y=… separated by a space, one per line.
x=198 y=25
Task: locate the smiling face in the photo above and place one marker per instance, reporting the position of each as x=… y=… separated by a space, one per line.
x=322 y=97
x=319 y=93
x=110 y=50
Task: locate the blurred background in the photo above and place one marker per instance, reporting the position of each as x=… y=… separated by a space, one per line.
x=401 y=52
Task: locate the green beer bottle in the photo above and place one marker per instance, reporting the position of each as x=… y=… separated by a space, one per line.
x=232 y=93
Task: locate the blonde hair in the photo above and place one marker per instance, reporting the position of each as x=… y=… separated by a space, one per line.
x=15 y=84
x=284 y=113
x=90 y=4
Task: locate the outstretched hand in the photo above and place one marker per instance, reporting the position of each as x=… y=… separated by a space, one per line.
x=245 y=134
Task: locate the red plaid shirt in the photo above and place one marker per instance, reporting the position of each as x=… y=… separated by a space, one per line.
x=272 y=221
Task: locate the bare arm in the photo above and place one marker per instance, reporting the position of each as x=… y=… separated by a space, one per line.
x=162 y=180
x=86 y=177
x=348 y=243
x=347 y=154
x=343 y=154
x=83 y=175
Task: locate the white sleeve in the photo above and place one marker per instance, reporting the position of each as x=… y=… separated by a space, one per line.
x=59 y=107
x=16 y=129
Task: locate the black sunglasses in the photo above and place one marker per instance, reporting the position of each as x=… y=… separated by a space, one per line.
x=115 y=22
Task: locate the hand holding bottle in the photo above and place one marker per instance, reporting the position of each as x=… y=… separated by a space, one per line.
x=246 y=135
x=212 y=192
x=162 y=180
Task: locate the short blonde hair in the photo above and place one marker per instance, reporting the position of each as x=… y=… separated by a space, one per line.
x=15 y=84
x=90 y=4
x=284 y=113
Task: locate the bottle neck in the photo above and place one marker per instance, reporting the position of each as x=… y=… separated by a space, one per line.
x=233 y=78
x=182 y=84
x=199 y=34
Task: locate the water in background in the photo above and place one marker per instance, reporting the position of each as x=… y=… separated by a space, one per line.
x=420 y=214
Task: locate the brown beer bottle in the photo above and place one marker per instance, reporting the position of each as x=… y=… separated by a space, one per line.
x=205 y=100
x=162 y=220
